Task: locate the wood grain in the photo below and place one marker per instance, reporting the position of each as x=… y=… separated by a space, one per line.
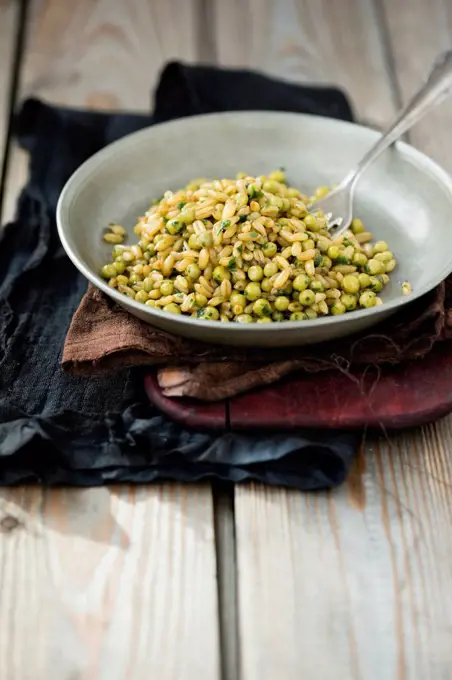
x=327 y=41
x=114 y=584
x=119 y=583
x=100 y=55
x=354 y=583
x=9 y=14
x=418 y=30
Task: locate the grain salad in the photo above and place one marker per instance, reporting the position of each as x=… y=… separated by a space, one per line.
x=247 y=250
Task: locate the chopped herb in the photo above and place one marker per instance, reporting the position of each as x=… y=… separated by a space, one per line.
x=342 y=259
x=253 y=192
x=224 y=225
x=181 y=205
x=254 y=234
x=240 y=248
x=347 y=242
x=165 y=220
x=318 y=260
x=232 y=264
x=242 y=218
x=200 y=313
x=205 y=220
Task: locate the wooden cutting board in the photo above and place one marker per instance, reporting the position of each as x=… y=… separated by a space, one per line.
x=389 y=397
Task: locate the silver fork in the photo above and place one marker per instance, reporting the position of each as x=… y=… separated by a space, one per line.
x=338 y=204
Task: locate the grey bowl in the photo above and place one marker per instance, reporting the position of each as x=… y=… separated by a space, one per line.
x=404 y=199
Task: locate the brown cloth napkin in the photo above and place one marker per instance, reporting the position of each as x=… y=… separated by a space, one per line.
x=105 y=338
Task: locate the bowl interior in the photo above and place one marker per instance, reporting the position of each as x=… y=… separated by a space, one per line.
x=404 y=198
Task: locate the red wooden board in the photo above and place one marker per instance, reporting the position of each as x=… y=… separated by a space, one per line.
x=393 y=398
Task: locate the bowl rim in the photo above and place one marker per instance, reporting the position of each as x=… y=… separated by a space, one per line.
x=83 y=172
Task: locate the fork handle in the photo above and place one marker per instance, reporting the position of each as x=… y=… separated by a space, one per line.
x=436 y=88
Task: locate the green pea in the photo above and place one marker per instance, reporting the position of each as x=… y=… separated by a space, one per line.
x=390 y=266
x=350 y=284
x=349 y=301
x=172 y=308
x=311 y=222
x=298 y=316
x=252 y=291
x=272 y=187
x=244 y=318
x=117 y=251
x=309 y=244
x=333 y=252
x=269 y=249
x=327 y=262
x=211 y=314
x=310 y=313
x=264 y=319
x=374 y=267
x=271 y=268
x=278 y=176
x=357 y=226
x=364 y=280
x=317 y=286
x=337 y=308
x=108 y=271
x=237 y=299
x=380 y=247
x=193 y=271
x=150 y=303
x=368 y=299
x=220 y=273
x=278 y=316
x=281 y=303
x=255 y=273
x=120 y=266
x=200 y=300
x=359 y=259
x=376 y=284
x=262 y=307
x=307 y=297
x=166 y=287
x=141 y=296
x=187 y=216
x=384 y=257
x=174 y=227
x=266 y=285
x=301 y=282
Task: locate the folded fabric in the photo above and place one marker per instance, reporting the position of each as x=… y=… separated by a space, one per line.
x=104 y=338
x=59 y=428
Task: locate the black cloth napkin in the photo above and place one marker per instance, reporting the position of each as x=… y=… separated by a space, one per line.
x=57 y=429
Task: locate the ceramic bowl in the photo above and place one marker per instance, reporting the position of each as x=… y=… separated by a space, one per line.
x=404 y=199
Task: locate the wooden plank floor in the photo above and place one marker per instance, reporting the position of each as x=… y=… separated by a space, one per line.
x=9 y=19
x=115 y=583
x=352 y=584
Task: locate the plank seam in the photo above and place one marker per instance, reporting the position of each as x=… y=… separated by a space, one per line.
x=18 y=55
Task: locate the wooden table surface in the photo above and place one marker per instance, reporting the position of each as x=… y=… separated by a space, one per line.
x=172 y=582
